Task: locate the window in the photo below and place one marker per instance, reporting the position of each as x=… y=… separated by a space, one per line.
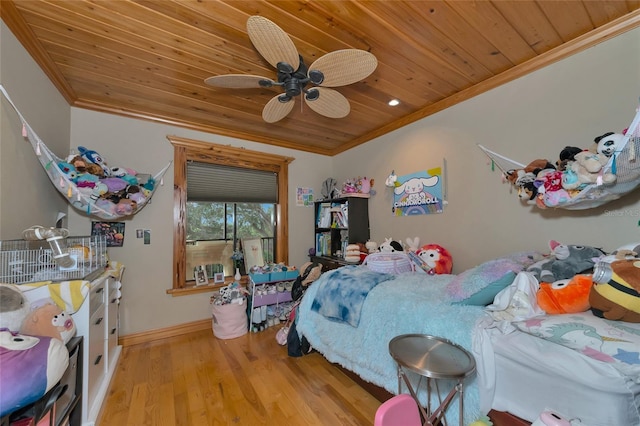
x=191 y=155
x=224 y=205
x=215 y=231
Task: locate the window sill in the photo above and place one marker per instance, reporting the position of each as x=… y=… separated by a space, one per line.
x=190 y=288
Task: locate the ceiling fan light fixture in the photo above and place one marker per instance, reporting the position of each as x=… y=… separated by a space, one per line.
x=312 y=95
x=293 y=87
x=333 y=69
x=285 y=68
x=316 y=77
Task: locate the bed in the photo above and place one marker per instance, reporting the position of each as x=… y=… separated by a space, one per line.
x=350 y=314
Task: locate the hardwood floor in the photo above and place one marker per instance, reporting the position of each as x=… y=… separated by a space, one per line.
x=197 y=379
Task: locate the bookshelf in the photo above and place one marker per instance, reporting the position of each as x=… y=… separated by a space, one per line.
x=339 y=222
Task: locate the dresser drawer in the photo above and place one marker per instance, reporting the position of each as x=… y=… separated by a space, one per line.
x=97 y=298
x=96 y=367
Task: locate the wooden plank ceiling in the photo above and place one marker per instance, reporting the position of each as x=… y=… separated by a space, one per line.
x=149 y=58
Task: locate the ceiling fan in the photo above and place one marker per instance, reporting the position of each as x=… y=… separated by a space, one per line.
x=338 y=68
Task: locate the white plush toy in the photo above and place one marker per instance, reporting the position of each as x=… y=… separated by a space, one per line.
x=609 y=143
x=371 y=246
x=589 y=168
x=390 y=246
x=413 y=244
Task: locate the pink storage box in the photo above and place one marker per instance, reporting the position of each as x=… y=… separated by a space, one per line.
x=229 y=321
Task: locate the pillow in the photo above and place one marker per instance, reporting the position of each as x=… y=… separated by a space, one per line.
x=486 y=295
x=613 y=342
x=475 y=279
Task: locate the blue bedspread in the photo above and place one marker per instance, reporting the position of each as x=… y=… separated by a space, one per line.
x=410 y=303
x=342 y=293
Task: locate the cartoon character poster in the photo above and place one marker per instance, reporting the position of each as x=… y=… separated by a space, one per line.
x=418 y=193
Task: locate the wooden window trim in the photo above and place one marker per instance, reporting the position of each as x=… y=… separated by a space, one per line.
x=190 y=149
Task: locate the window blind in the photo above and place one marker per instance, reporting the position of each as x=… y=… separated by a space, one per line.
x=214 y=182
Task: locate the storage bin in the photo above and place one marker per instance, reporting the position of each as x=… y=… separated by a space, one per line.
x=278 y=276
x=291 y=274
x=260 y=278
x=229 y=321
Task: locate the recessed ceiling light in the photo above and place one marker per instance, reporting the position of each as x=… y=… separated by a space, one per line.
x=394 y=102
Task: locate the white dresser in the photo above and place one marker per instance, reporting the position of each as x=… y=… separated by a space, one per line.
x=97 y=322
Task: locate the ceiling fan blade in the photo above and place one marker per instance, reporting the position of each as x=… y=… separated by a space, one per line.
x=272 y=42
x=329 y=103
x=344 y=67
x=275 y=110
x=239 y=81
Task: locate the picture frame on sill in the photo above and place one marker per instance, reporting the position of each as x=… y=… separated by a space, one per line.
x=218 y=277
x=252 y=249
x=200 y=275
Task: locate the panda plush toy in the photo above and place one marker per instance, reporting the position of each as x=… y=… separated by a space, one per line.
x=609 y=143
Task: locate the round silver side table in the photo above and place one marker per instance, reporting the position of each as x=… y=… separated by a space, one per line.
x=435 y=358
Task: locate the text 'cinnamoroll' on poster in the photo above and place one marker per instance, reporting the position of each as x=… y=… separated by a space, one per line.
x=418 y=193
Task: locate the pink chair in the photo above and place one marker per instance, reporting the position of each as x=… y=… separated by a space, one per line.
x=400 y=410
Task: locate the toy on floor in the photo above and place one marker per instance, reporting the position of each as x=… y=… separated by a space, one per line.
x=482 y=421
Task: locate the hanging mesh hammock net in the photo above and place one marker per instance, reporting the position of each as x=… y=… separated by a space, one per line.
x=100 y=199
x=624 y=164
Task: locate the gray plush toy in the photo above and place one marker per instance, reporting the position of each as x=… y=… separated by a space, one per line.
x=565 y=262
x=14 y=307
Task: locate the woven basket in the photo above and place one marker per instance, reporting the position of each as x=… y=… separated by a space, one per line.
x=389 y=263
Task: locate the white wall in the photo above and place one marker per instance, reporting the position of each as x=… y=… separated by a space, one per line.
x=26 y=195
x=143 y=146
x=568 y=103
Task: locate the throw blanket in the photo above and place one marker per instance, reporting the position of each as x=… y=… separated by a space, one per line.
x=68 y=295
x=342 y=292
x=410 y=303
